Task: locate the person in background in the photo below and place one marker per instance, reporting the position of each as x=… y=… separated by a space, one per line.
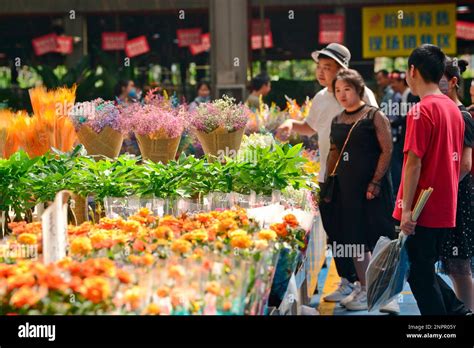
x=383 y=81
x=364 y=198
x=260 y=87
x=458 y=249
x=126 y=92
x=324 y=107
x=433 y=145
x=203 y=89
x=403 y=101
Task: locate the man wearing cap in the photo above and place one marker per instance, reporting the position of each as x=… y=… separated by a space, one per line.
x=323 y=109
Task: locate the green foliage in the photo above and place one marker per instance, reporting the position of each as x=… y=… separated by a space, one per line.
x=27 y=182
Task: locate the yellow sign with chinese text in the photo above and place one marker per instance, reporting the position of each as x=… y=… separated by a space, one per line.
x=394 y=31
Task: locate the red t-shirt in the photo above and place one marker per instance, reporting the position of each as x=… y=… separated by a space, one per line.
x=435 y=133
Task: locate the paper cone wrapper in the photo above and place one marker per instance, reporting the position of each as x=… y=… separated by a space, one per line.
x=158 y=150
x=220 y=141
x=106 y=143
x=79 y=208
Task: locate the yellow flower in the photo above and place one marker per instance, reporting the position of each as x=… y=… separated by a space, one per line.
x=267 y=235
x=237 y=233
x=181 y=246
x=152 y=309
x=163 y=232
x=240 y=241
x=81 y=246
x=133 y=296
x=197 y=235
x=27 y=238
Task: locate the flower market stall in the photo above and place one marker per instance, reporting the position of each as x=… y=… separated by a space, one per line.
x=158 y=234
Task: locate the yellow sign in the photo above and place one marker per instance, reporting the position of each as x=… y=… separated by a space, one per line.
x=394 y=31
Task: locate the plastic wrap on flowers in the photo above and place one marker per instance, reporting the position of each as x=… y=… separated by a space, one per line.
x=107 y=142
x=286 y=266
x=261 y=278
x=159 y=149
x=221 y=142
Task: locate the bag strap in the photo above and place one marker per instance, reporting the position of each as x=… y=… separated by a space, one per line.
x=347 y=139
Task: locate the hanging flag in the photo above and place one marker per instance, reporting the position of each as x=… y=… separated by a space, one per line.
x=465 y=30
x=64 y=44
x=187 y=37
x=204 y=46
x=331 y=28
x=45 y=44
x=137 y=46
x=256 y=34
x=114 y=41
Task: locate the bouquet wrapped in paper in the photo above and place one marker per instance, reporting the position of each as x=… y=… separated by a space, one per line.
x=98 y=127
x=220 y=125
x=157 y=125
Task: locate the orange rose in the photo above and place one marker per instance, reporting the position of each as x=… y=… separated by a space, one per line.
x=290 y=220
x=280 y=229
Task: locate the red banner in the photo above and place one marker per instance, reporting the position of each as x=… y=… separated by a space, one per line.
x=114 y=41
x=256 y=37
x=204 y=46
x=465 y=30
x=137 y=46
x=45 y=44
x=188 y=37
x=331 y=28
x=65 y=44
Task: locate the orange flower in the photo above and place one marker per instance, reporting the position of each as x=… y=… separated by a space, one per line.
x=204 y=218
x=27 y=238
x=240 y=239
x=213 y=288
x=163 y=291
x=162 y=232
x=176 y=272
x=124 y=276
x=19 y=280
x=290 y=220
x=199 y=235
x=25 y=297
x=152 y=309
x=227 y=224
x=130 y=226
x=227 y=306
x=108 y=223
x=280 y=229
x=261 y=244
x=180 y=246
x=81 y=246
x=96 y=289
x=80 y=230
x=138 y=245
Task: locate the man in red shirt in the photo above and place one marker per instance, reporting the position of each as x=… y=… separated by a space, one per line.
x=432 y=155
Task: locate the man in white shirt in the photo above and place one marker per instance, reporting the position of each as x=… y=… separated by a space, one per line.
x=330 y=60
